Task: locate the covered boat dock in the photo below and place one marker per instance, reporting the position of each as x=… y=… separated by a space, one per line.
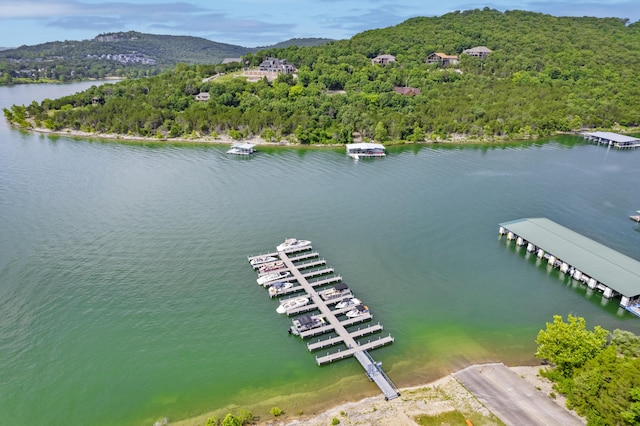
x=246 y=148
x=585 y=260
x=365 y=149
x=613 y=139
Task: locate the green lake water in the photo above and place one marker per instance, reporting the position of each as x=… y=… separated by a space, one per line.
x=126 y=296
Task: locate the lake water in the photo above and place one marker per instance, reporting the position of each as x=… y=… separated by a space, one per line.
x=126 y=296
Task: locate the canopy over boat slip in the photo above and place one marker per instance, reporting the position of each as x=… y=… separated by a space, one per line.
x=614 y=269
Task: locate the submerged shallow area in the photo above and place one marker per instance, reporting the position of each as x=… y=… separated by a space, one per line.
x=127 y=296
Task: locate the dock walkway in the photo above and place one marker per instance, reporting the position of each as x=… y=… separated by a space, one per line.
x=339 y=327
x=334 y=324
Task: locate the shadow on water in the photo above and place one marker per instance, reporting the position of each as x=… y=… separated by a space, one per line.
x=595 y=297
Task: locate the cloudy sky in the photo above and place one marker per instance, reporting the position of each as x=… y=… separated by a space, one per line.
x=253 y=22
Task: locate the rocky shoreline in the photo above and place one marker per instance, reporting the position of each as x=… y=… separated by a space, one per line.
x=224 y=139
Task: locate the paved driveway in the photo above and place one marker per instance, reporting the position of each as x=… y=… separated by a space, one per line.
x=512 y=399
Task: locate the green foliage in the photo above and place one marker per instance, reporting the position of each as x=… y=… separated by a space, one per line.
x=627 y=343
x=543 y=76
x=446 y=418
x=275 y=411
x=245 y=417
x=601 y=382
x=335 y=421
x=231 y=420
x=632 y=415
x=569 y=345
x=212 y=421
x=80 y=60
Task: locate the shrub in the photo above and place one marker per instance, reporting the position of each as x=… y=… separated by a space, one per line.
x=275 y=411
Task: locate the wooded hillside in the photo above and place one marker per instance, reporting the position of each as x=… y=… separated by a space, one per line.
x=122 y=54
x=544 y=75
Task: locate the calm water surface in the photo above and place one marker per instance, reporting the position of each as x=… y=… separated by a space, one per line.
x=125 y=294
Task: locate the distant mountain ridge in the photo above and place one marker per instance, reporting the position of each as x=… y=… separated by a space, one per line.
x=167 y=50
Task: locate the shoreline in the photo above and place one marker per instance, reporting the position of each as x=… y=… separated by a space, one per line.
x=443 y=395
x=224 y=139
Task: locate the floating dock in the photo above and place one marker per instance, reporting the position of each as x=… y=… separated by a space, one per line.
x=598 y=266
x=335 y=321
x=242 y=149
x=365 y=149
x=613 y=139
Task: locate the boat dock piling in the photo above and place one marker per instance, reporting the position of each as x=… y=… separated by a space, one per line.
x=615 y=140
x=335 y=320
x=582 y=259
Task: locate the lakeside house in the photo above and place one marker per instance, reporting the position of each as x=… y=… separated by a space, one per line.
x=202 y=97
x=442 y=59
x=478 y=51
x=275 y=65
x=407 y=91
x=383 y=60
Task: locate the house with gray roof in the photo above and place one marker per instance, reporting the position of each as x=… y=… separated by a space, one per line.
x=276 y=65
x=383 y=60
x=478 y=51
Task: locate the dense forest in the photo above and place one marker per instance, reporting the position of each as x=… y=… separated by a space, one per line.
x=124 y=54
x=544 y=75
x=598 y=371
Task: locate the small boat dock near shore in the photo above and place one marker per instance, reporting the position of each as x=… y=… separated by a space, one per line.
x=365 y=150
x=346 y=331
x=242 y=149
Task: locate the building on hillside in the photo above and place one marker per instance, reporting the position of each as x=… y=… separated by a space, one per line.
x=442 y=59
x=231 y=60
x=407 y=91
x=202 y=97
x=383 y=60
x=478 y=51
x=276 y=65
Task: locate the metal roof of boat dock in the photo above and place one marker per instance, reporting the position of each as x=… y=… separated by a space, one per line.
x=364 y=145
x=245 y=145
x=615 y=137
x=610 y=267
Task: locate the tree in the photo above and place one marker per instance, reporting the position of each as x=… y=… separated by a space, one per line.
x=231 y=420
x=627 y=343
x=569 y=345
x=381 y=133
x=632 y=415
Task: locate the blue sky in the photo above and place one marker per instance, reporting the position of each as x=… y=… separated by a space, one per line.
x=252 y=22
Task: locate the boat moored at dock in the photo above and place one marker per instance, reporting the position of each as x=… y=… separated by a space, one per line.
x=289 y=304
x=293 y=244
x=270 y=278
x=346 y=303
x=270 y=267
x=339 y=290
x=257 y=261
x=333 y=304
x=358 y=311
x=306 y=323
x=279 y=287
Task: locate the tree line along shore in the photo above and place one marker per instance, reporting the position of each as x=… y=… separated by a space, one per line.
x=540 y=75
